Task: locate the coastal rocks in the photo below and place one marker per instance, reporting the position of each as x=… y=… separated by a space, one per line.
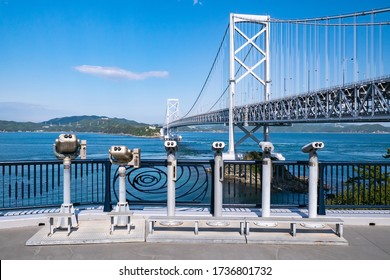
x=285 y=178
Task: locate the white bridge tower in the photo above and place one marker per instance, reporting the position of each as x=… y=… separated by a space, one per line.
x=172 y=114
x=258 y=70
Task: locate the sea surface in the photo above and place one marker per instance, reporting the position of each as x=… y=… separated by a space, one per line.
x=197 y=145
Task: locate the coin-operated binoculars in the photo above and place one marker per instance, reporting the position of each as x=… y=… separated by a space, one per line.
x=171 y=148
x=218 y=147
x=123 y=156
x=67 y=148
x=312 y=149
x=267 y=148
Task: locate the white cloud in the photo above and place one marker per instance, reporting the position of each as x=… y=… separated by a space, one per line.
x=118 y=73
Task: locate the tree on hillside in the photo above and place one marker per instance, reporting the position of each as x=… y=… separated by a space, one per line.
x=370 y=185
x=388 y=153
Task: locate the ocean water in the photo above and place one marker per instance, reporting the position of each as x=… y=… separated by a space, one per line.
x=197 y=145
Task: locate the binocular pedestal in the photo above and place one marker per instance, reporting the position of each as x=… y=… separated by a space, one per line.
x=171 y=190
x=67 y=206
x=122 y=205
x=313 y=193
x=218 y=191
x=266 y=190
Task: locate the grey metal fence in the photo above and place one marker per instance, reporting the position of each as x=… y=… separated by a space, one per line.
x=148 y=183
x=355 y=185
x=28 y=184
x=31 y=184
x=242 y=185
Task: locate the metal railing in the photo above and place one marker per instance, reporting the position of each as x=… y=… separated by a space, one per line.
x=30 y=184
x=148 y=183
x=242 y=183
x=354 y=185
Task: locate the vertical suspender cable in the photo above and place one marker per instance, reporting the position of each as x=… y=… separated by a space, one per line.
x=345 y=59
x=355 y=78
x=288 y=58
x=315 y=56
x=372 y=48
x=380 y=52
x=340 y=61
x=310 y=59
x=297 y=56
x=367 y=73
x=304 y=56
x=335 y=77
x=326 y=55
x=281 y=61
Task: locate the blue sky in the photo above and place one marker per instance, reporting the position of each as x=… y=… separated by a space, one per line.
x=121 y=58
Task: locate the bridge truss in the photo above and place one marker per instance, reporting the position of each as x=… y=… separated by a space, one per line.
x=364 y=102
x=317 y=66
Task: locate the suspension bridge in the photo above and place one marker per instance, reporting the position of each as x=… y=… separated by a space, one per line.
x=270 y=72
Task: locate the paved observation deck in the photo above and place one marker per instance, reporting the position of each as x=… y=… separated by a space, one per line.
x=366 y=235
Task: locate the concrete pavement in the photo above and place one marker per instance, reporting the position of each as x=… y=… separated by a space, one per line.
x=365 y=242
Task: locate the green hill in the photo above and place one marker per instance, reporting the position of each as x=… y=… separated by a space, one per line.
x=103 y=124
x=96 y=124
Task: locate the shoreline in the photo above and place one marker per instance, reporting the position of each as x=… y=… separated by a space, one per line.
x=209 y=131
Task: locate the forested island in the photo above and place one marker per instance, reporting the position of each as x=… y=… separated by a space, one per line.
x=102 y=124
x=93 y=124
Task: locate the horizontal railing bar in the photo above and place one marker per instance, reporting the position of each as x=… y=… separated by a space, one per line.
x=187 y=161
x=32 y=162
x=37 y=184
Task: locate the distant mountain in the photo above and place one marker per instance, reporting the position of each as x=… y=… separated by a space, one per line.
x=103 y=124
x=97 y=124
x=78 y=119
x=72 y=119
x=19 y=126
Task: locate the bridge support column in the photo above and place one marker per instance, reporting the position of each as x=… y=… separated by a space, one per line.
x=266 y=134
x=232 y=83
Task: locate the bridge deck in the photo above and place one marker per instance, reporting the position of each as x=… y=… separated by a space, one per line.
x=366 y=101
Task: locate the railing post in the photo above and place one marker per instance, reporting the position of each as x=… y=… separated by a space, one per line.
x=107 y=197
x=321 y=192
x=212 y=163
